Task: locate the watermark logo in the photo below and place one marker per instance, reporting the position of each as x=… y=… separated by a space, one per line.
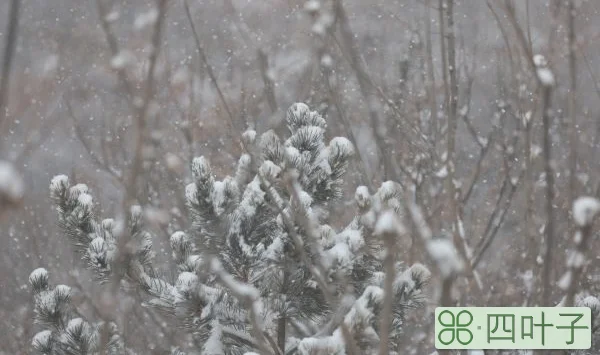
x=508 y=328
x=455 y=328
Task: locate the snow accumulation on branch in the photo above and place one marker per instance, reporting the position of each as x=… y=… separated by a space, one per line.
x=260 y=270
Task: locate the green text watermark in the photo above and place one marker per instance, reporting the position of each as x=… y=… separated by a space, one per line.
x=513 y=328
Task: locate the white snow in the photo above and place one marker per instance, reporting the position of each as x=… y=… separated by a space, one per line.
x=269 y=170
x=326 y=61
x=97 y=248
x=78 y=189
x=312 y=6
x=112 y=16
x=445 y=256
x=136 y=211
x=387 y=190
x=351 y=237
x=62 y=290
x=274 y=252
x=591 y=302
x=38 y=274
x=75 y=323
x=239 y=289
x=585 y=209
x=42 y=338
x=58 y=182
x=339 y=256
x=186 y=282
x=108 y=224
x=145 y=19
x=362 y=196
x=85 y=200
x=546 y=76
x=249 y=136
x=341 y=146
x=442 y=173
x=539 y=60
x=191 y=192
x=178 y=238
x=576 y=260
x=388 y=223
x=565 y=281
x=219 y=197
x=122 y=59
x=174 y=163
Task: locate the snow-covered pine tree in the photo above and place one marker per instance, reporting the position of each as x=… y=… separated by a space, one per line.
x=65 y=331
x=259 y=270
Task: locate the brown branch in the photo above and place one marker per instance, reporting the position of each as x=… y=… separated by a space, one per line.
x=8 y=56
x=87 y=146
x=549 y=230
x=263 y=61
x=572 y=108
x=208 y=67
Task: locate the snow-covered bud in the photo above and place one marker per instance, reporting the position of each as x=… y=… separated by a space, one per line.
x=585 y=210
x=308 y=139
x=97 y=251
x=294 y=157
x=194 y=262
x=108 y=225
x=62 y=293
x=191 y=193
x=445 y=255
x=269 y=170
x=77 y=190
x=326 y=233
x=271 y=146
x=242 y=173
x=388 y=190
x=544 y=74
x=540 y=61
x=42 y=341
x=179 y=240
x=136 y=211
x=299 y=115
x=58 y=185
x=86 y=201
x=201 y=169
x=75 y=325
x=80 y=189
x=420 y=274
x=38 y=279
x=362 y=197
x=186 y=282
x=305 y=200
x=340 y=148
x=249 y=137
x=591 y=302
x=388 y=223
x=223 y=194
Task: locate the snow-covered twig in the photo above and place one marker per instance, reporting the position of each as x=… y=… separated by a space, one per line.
x=585 y=210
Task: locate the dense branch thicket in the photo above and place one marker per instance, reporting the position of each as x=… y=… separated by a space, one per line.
x=259 y=270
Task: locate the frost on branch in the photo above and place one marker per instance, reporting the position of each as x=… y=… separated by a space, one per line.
x=251 y=266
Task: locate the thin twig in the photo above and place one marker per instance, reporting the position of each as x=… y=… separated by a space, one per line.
x=208 y=67
x=8 y=56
